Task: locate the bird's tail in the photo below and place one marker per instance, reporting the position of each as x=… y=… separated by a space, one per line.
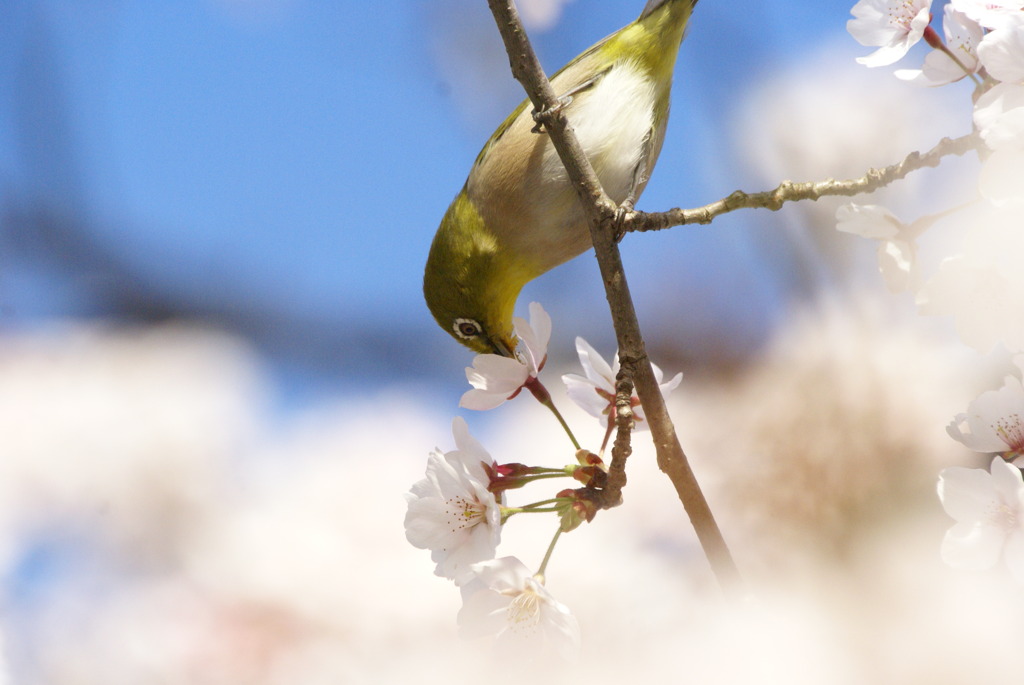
x=654 y=5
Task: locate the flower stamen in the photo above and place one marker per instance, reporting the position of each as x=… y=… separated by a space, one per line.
x=523 y=612
x=464 y=513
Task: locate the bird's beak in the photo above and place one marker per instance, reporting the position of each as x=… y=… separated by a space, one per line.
x=502 y=347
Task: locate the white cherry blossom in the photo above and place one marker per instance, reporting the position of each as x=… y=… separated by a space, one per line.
x=507 y=601
x=989 y=13
x=495 y=378
x=892 y=26
x=963 y=35
x=451 y=512
x=595 y=392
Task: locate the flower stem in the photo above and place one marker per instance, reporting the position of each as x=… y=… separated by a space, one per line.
x=608 y=432
x=916 y=229
x=542 y=503
x=509 y=512
x=544 y=397
x=561 y=473
x=547 y=555
x=932 y=38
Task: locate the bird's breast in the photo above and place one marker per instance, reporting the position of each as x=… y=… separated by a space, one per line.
x=521 y=187
x=611 y=120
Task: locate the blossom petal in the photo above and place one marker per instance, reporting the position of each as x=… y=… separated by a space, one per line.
x=938 y=70
x=966 y=494
x=533 y=337
x=990 y=14
x=494 y=379
x=1013 y=552
x=583 y=392
x=594 y=365
x=999 y=180
x=963 y=35
x=457 y=563
x=506 y=574
x=980 y=441
x=468 y=445
x=451 y=512
x=999 y=116
x=482 y=612
x=995 y=420
x=893 y=25
x=671 y=384
x=1002 y=52
x=984 y=302
x=540 y=327
x=426 y=521
x=868 y=221
x=1006 y=480
x=507 y=601
x=897 y=260
x=972 y=546
x=592 y=393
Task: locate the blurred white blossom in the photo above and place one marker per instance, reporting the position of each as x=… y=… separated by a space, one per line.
x=1001 y=51
x=287 y=562
x=828 y=117
x=540 y=15
x=122 y=430
x=994 y=422
x=999 y=180
x=985 y=304
x=999 y=112
x=868 y=221
x=989 y=13
x=897 y=255
x=982 y=288
x=989 y=510
x=999 y=116
x=505 y=600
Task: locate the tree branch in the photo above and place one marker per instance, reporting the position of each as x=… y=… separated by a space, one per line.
x=527 y=70
x=601 y=213
x=787 y=191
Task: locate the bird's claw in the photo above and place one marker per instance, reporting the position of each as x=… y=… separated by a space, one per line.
x=540 y=117
x=621 y=212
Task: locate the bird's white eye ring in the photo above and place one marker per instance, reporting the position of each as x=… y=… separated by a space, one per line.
x=467 y=329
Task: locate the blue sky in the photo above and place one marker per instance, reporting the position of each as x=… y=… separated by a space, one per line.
x=279 y=168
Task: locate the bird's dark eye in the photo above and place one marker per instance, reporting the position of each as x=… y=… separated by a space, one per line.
x=467 y=328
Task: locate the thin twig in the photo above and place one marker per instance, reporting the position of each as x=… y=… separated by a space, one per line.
x=787 y=191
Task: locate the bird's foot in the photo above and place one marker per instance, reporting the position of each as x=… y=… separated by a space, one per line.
x=623 y=210
x=542 y=116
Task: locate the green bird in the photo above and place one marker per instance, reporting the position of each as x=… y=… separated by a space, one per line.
x=517 y=216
